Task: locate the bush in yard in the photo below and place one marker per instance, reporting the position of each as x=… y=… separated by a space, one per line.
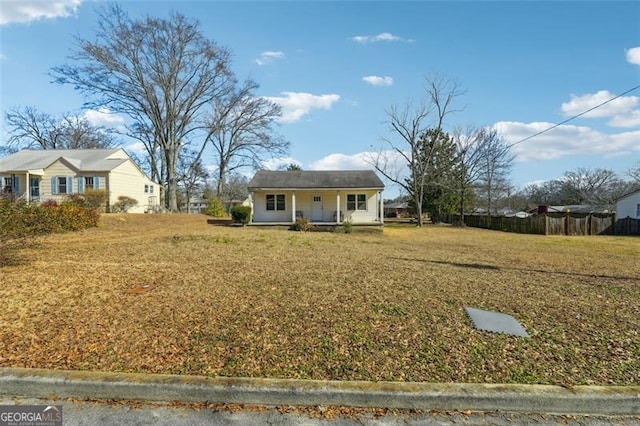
x=123 y=204
x=302 y=224
x=241 y=214
x=96 y=199
x=214 y=208
x=20 y=220
x=74 y=213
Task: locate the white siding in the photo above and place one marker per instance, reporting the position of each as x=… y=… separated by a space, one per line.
x=628 y=206
x=261 y=214
x=129 y=181
x=360 y=216
x=57 y=169
x=304 y=204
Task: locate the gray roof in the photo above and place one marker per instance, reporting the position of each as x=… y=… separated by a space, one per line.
x=315 y=179
x=95 y=160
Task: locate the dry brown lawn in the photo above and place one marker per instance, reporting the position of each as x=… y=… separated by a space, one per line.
x=367 y=306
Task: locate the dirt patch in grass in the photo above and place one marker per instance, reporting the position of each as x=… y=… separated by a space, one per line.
x=266 y=302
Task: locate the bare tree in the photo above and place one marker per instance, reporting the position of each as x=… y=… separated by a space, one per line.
x=469 y=155
x=497 y=160
x=408 y=124
x=634 y=173
x=31 y=129
x=240 y=130
x=599 y=187
x=192 y=176
x=79 y=133
x=160 y=72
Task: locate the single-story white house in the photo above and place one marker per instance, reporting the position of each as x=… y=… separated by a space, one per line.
x=51 y=174
x=628 y=206
x=323 y=197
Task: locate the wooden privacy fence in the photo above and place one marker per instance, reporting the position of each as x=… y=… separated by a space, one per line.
x=556 y=224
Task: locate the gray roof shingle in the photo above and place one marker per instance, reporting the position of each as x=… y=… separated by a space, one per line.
x=81 y=159
x=315 y=179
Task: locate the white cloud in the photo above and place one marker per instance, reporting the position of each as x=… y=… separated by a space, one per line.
x=362 y=39
x=579 y=104
x=21 y=11
x=337 y=161
x=375 y=80
x=268 y=57
x=104 y=118
x=297 y=104
x=565 y=140
x=2 y=57
x=359 y=161
x=629 y=119
x=633 y=55
x=136 y=148
x=279 y=163
x=621 y=110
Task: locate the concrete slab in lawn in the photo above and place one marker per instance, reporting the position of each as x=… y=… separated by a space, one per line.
x=495 y=322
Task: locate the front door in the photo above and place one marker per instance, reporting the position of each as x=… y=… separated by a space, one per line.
x=34 y=188
x=316 y=208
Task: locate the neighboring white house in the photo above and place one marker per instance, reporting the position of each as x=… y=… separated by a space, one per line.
x=628 y=206
x=323 y=197
x=39 y=175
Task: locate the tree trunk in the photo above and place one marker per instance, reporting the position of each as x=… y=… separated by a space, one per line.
x=222 y=170
x=172 y=181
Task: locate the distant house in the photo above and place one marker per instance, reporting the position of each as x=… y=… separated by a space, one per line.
x=39 y=175
x=195 y=205
x=397 y=209
x=628 y=206
x=574 y=208
x=323 y=197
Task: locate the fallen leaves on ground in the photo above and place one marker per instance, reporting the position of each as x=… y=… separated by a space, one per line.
x=266 y=302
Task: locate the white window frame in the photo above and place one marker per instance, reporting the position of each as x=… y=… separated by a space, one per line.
x=59 y=185
x=638 y=210
x=358 y=202
x=278 y=200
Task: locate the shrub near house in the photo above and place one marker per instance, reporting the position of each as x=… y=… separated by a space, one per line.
x=19 y=219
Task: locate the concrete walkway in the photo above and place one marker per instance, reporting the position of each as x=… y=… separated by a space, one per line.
x=591 y=400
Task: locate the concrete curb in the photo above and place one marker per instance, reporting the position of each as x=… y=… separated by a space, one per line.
x=594 y=400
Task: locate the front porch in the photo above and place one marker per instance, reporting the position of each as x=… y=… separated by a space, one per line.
x=319 y=207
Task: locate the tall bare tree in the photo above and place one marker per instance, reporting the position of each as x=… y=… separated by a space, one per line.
x=192 y=176
x=160 y=72
x=79 y=133
x=469 y=150
x=497 y=160
x=408 y=124
x=600 y=187
x=240 y=130
x=31 y=129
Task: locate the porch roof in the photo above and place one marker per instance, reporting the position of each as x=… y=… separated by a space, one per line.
x=315 y=179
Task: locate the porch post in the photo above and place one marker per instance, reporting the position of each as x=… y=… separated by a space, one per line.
x=338 y=206
x=381 y=208
x=251 y=196
x=293 y=206
x=28 y=190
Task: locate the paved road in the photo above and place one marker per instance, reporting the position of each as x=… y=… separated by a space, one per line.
x=93 y=413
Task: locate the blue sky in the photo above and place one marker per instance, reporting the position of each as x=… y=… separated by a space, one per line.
x=336 y=67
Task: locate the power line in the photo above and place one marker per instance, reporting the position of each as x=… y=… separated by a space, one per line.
x=574 y=117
